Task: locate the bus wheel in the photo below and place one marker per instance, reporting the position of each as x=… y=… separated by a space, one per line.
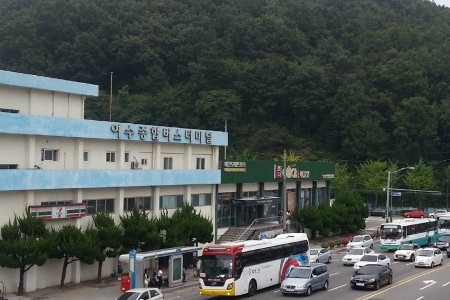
x=252 y=287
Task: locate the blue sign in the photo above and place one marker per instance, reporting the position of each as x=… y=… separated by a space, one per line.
x=132 y=267
x=396 y=194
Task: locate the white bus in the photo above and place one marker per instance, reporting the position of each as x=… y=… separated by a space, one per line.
x=420 y=231
x=243 y=267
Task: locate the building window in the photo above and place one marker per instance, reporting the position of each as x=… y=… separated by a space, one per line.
x=144 y=161
x=99 y=205
x=85 y=156
x=110 y=156
x=168 y=163
x=201 y=199
x=49 y=154
x=170 y=201
x=127 y=156
x=131 y=203
x=251 y=194
x=200 y=163
x=56 y=203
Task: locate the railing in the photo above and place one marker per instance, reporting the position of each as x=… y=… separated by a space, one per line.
x=269 y=220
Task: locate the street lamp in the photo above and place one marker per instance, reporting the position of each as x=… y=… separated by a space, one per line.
x=388 y=189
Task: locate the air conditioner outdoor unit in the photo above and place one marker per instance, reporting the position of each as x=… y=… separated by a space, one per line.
x=134 y=165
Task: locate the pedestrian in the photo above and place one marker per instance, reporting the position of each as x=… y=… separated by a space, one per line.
x=146 y=278
x=154 y=280
x=160 y=278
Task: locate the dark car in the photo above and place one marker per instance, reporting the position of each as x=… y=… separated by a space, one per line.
x=371 y=276
x=443 y=242
x=378 y=212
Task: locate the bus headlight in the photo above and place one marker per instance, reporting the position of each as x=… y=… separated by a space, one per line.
x=230 y=286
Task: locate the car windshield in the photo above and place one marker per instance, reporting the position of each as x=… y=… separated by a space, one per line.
x=354 y=251
x=369 y=258
x=406 y=247
x=129 y=296
x=368 y=270
x=314 y=251
x=357 y=239
x=444 y=238
x=300 y=273
x=426 y=253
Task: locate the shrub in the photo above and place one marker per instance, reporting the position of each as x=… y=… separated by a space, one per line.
x=344 y=241
x=324 y=245
x=337 y=243
x=331 y=244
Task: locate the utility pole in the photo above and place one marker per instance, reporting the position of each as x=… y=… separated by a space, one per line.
x=285 y=203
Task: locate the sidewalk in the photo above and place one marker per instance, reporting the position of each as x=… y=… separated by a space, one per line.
x=109 y=287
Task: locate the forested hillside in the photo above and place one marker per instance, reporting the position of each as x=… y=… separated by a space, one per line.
x=327 y=79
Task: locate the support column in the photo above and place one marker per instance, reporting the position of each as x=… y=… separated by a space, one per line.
x=314 y=200
x=156 y=193
x=30 y=152
x=298 y=195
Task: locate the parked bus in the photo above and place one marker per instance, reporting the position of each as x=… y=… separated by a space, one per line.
x=243 y=267
x=444 y=223
x=421 y=231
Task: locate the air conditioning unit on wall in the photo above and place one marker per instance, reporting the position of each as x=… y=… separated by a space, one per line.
x=134 y=165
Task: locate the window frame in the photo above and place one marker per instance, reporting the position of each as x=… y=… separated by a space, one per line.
x=54 y=153
x=111 y=156
x=168 y=163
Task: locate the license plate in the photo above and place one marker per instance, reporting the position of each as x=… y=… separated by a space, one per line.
x=359 y=284
x=289 y=290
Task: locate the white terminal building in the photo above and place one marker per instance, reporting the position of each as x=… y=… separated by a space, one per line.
x=61 y=167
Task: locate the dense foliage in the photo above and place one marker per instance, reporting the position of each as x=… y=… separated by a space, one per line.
x=337 y=79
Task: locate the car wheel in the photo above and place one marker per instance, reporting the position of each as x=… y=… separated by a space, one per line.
x=252 y=287
x=317 y=260
x=429 y=242
x=390 y=280
x=308 y=291
x=325 y=285
x=448 y=254
x=352 y=285
x=377 y=285
x=329 y=260
x=388 y=264
x=371 y=246
x=432 y=265
x=412 y=257
x=442 y=262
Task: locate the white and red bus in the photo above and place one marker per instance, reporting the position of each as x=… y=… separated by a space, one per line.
x=243 y=267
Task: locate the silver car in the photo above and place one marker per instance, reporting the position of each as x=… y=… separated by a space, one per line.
x=322 y=255
x=306 y=279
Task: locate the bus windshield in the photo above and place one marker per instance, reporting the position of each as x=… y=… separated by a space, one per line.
x=216 y=266
x=391 y=232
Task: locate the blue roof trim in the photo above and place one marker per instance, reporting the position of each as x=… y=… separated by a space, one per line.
x=47 y=83
x=39 y=179
x=11 y=123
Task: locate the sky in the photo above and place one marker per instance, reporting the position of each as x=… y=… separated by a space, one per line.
x=442 y=2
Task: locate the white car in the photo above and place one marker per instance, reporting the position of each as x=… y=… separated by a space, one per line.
x=428 y=257
x=373 y=259
x=354 y=255
x=321 y=255
x=142 y=293
x=437 y=213
x=363 y=240
x=406 y=252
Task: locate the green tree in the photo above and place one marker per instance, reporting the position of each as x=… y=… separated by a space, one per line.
x=372 y=177
x=139 y=231
x=24 y=244
x=108 y=238
x=184 y=225
x=341 y=183
x=309 y=218
x=72 y=244
x=421 y=179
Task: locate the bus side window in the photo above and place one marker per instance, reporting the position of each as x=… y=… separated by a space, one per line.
x=404 y=232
